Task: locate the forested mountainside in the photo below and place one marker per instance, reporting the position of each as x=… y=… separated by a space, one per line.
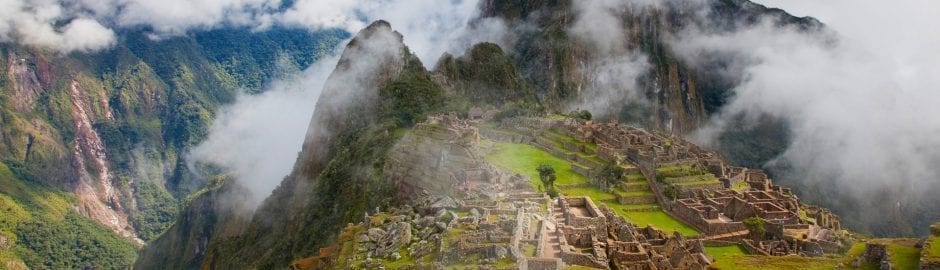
x=377 y=93
x=93 y=144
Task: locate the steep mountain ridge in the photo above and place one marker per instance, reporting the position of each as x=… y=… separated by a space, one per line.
x=378 y=87
x=111 y=128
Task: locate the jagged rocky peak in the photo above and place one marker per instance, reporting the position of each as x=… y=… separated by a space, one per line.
x=372 y=59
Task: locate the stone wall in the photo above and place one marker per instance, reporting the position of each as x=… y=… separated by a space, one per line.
x=541 y=264
x=503 y=136
x=750 y=248
x=596 y=220
x=636 y=199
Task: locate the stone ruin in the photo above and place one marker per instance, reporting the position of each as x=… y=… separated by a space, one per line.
x=481 y=215
x=597 y=237
x=440 y=156
x=494 y=230
x=716 y=208
x=582 y=232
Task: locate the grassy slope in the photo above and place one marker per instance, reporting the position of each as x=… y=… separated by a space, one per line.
x=523 y=159
x=903 y=253
x=734 y=257
x=933 y=251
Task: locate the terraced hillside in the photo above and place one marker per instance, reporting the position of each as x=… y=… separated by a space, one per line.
x=481 y=202
x=630 y=197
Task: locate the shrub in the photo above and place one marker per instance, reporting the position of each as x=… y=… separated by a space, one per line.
x=756 y=226
x=582 y=114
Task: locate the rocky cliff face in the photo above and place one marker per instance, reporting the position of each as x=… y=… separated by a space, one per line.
x=572 y=63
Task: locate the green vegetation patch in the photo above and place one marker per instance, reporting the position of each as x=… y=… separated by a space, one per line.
x=678 y=171
x=721 y=253
x=594 y=193
x=734 y=257
x=635 y=178
x=733 y=262
x=640 y=193
x=701 y=178
x=523 y=159
x=903 y=254
x=933 y=249
x=45 y=233
x=657 y=218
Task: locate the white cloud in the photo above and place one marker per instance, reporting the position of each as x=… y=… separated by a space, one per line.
x=257 y=138
x=430 y=27
x=614 y=68
x=862 y=107
x=31 y=22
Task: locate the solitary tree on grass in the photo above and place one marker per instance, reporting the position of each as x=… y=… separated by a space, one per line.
x=547 y=175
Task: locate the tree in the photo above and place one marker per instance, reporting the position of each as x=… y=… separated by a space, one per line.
x=582 y=114
x=756 y=227
x=671 y=192
x=547 y=175
x=612 y=174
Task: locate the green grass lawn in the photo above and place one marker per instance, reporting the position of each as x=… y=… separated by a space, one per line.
x=775 y=263
x=734 y=257
x=640 y=193
x=635 y=178
x=855 y=251
x=692 y=178
x=524 y=158
x=595 y=193
x=724 y=256
x=933 y=253
x=593 y=158
x=697 y=183
x=903 y=254
x=677 y=171
x=658 y=219
x=639 y=207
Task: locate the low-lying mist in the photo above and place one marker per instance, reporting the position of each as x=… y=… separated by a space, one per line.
x=861 y=108
x=257 y=139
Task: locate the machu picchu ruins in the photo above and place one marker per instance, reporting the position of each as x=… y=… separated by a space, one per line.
x=629 y=199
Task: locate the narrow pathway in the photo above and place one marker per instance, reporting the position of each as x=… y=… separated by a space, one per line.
x=550 y=235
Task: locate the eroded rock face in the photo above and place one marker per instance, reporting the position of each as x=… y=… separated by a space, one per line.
x=26 y=84
x=98 y=196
